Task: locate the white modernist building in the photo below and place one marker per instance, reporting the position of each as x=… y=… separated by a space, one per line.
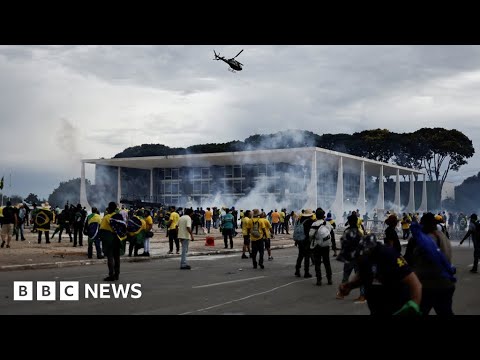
x=341 y=180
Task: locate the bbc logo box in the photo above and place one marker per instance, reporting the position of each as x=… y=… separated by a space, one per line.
x=45 y=290
x=70 y=291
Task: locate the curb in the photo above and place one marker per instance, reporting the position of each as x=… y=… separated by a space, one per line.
x=60 y=264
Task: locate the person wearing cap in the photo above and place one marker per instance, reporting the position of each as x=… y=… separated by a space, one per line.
x=43 y=218
x=474 y=232
x=306 y=219
x=391 y=236
x=391 y=287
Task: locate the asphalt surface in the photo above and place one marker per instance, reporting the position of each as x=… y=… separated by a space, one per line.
x=216 y=285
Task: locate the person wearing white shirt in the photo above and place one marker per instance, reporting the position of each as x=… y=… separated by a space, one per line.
x=184 y=235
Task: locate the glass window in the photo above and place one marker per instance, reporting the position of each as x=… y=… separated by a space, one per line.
x=175 y=174
x=205 y=173
x=228 y=171
x=168 y=188
x=237 y=171
x=262 y=170
x=161 y=174
x=197 y=173
x=229 y=186
x=205 y=189
x=174 y=188
x=160 y=188
x=196 y=187
x=168 y=173
x=237 y=186
x=168 y=200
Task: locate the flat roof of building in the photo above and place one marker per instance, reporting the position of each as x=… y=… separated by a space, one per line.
x=293 y=155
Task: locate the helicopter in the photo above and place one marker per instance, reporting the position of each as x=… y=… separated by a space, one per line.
x=234 y=64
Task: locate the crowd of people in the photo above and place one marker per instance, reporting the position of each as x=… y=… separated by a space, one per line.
x=391 y=281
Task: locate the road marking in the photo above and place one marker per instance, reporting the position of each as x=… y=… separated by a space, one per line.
x=244 y=298
x=249 y=296
x=227 y=282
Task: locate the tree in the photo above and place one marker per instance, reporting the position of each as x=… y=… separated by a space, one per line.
x=32 y=198
x=373 y=144
x=68 y=191
x=439 y=151
x=15 y=199
x=403 y=153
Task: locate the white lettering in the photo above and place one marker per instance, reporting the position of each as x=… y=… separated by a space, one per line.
x=92 y=291
x=104 y=291
x=120 y=290
x=137 y=291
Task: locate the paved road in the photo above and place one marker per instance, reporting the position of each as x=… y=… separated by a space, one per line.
x=217 y=284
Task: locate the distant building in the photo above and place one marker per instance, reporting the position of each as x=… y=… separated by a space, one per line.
x=295 y=178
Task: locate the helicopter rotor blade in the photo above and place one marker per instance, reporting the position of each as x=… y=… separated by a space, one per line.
x=238 y=54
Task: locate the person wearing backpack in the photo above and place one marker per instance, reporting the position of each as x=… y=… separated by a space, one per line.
x=320 y=239
x=474 y=231
x=257 y=235
x=301 y=240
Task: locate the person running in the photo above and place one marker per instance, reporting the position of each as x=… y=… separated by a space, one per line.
x=391 y=287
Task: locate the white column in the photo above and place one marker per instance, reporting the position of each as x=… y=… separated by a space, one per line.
x=83 y=189
x=411 y=200
x=119 y=185
x=361 y=193
x=398 y=205
x=423 y=206
x=151 y=184
x=338 y=206
x=312 y=188
x=381 y=194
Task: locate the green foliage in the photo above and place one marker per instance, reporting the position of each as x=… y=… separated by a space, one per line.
x=32 y=198
x=67 y=191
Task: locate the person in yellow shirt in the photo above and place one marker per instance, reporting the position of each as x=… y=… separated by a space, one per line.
x=282 y=221
x=173 y=230
x=257 y=234
x=110 y=243
x=268 y=229
x=208 y=219
x=246 y=228
x=148 y=233
x=275 y=221
x=406 y=221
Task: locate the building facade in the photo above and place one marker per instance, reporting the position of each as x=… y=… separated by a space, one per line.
x=292 y=178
